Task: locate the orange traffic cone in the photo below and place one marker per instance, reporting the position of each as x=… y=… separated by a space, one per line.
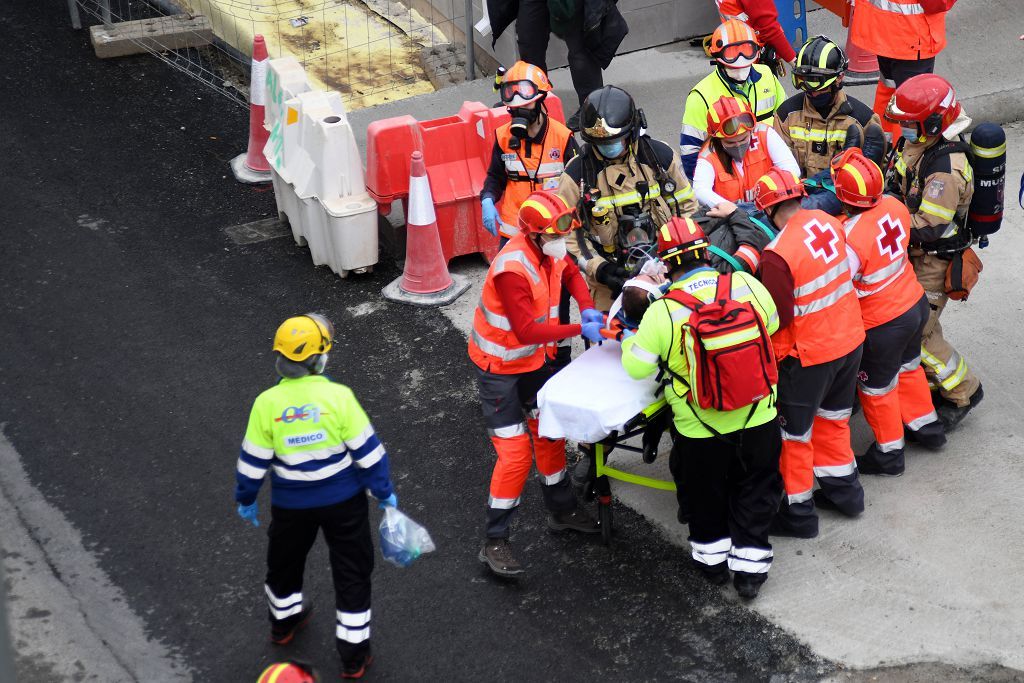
x=863 y=68
x=252 y=167
x=425 y=280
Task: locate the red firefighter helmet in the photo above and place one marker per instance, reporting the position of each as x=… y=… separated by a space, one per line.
x=777 y=186
x=926 y=101
x=522 y=84
x=288 y=672
x=858 y=180
x=547 y=213
x=680 y=236
x=729 y=117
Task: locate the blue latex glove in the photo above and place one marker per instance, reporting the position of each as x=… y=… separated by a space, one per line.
x=490 y=215
x=592 y=332
x=249 y=513
x=592 y=315
x=389 y=502
x=627 y=333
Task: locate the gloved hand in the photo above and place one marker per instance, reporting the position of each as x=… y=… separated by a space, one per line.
x=389 y=502
x=490 y=215
x=249 y=513
x=612 y=276
x=592 y=332
x=592 y=315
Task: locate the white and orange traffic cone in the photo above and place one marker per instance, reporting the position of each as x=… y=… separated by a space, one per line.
x=863 y=69
x=425 y=281
x=252 y=167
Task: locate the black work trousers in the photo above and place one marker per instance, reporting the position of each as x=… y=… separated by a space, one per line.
x=533 y=30
x=734 y=488
x=896 y=71
x=346 y=528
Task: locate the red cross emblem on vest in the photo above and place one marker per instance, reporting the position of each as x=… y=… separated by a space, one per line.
x=821 y=241
x=890 y=236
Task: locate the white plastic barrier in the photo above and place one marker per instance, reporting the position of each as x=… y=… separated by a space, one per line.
x=317 y=171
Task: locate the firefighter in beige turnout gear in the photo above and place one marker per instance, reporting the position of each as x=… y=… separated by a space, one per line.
x=935 y=179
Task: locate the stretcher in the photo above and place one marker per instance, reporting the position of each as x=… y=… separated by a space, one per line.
x=594 y=401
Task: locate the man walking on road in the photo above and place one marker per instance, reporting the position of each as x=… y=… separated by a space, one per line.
x=323 y=454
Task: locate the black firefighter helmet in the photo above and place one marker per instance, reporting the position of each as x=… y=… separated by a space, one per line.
x=609 y=113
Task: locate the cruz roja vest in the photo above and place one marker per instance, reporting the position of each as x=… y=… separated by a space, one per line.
x=732 y=184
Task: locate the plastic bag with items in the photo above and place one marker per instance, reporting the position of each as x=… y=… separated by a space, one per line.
x=401 y=539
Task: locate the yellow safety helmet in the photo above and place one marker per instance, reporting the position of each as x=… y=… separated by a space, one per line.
x=303 y=336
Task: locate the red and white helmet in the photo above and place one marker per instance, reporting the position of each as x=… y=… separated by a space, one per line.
x=734 y=44
x=523 y=84
x=929 y=103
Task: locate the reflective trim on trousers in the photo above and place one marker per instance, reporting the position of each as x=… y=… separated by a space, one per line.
x=502 y=503
x=949 y=375
x=872 y=391
x=713 y=553
x=282 y=608
x=552 y=479
x=835 y=415
x=353 y=619
x=500 y=351
x=825 y=301
x=352 y=635
x=912 y=365
x=750 y=560
x=915 y=425
x=508 y=431
x=802 y=438
x=836 y=470
x=801 y=497
x=890 y=446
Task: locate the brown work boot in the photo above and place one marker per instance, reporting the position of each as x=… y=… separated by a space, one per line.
x=573 y=520
x=497 y=555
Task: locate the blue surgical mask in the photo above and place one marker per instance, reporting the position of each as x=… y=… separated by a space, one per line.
x=612 y=150
x=910 y=133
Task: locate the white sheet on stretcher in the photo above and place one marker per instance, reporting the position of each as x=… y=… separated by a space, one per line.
x=592 y=396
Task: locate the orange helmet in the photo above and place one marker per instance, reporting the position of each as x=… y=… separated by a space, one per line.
x=729 y=117
x=777 y=186
x=522 y=84
x=926 y=102
x=288 y=672
x=858 y=180
x=547 y=213
x=734 y=44
x=680 y=236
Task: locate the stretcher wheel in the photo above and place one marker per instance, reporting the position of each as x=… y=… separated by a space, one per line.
x=604 y=519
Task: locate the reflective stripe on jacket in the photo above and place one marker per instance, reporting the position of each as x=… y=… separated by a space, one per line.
x=531 y=167
x=815 y=140
x=826 y=316
x=885 y=282
x=730 y=183
x=493 y=345
x=660 y=337
x=898 y=29
x=731 y=9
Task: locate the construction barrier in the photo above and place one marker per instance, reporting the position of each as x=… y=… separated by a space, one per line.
x=317 y=172
x=457 y=151
x=252 y=166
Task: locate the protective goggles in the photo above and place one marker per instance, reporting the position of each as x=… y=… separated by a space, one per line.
x=735 y=126
x=809 y=78
x=527 y=90
x=562 y=225
x=732 y=53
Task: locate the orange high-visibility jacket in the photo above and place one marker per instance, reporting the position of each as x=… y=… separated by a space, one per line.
x=826 y=317
x=529 y=168
x=731 y=9
x=886 y=284
x=492 y=344
x=898 y=29
x=735 y=186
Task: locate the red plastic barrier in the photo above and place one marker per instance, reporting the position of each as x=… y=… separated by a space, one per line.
x=457 y=150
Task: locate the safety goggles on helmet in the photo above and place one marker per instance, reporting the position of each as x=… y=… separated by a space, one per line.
x=732 y=53
x=563 y=225
x=526 y=90
x=735 y=126
x=812 y=79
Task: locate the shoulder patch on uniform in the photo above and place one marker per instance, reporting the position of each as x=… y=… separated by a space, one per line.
x=555 y=154
x=935 y=189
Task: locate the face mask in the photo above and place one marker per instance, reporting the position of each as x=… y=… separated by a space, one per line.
x=821 y=100
x=739 y=75
x=737 y=153
x=910 y=134
x=521 y=120
x=321 y=363
x=555 y=248
x=612 y=150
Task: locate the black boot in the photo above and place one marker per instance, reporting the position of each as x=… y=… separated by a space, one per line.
x=951 y=414
x=718 y=574
x=874 y=461
x=748 y=585
x=797 y=520
x=932 y=435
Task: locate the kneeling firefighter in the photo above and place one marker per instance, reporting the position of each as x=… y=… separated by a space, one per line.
x=727 y=443
x=932 y=173
x=513 y=338
x=891 y=383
